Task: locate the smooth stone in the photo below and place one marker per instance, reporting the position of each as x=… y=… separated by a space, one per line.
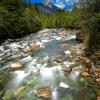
x=84 y=74
x=67 y=52
x=64 y=85
x=16 y=66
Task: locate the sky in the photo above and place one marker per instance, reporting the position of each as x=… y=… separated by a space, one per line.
x=54 y=1
x=67 y=4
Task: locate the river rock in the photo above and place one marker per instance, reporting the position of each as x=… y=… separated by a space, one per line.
x=34 y=46
x=44 y=92
x=63 y=85
x=84 y=74
x=98 y=80
x=16 y=66
x=66 y=69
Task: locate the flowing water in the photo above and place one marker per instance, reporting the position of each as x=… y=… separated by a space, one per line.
x=46 y=66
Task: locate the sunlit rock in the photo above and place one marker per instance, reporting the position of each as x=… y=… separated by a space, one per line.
x=84 y=74
x=16 y=66
x=64 y=85
x=67 y=52
x=98 y=80
x=40 y=44
x=27 y=52
x=57 y=37
x=64 y=46
x=44 y=92
x=34 y=46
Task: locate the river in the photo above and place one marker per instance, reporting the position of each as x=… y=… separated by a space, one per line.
x=43 y=66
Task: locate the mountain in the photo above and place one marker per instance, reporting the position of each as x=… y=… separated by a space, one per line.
x=49 y=6
x=65 y=4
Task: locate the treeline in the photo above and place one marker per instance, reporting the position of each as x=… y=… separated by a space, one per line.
x=90 y=25
x=60 y=19
x=17 y=19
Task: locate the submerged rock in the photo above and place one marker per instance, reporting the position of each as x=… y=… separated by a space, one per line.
x=44 y=92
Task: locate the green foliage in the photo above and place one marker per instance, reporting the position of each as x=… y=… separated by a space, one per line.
x=90 y=22
x=60 y=19
x=17 y=19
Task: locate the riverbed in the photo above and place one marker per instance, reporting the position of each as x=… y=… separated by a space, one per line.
x=43 y=66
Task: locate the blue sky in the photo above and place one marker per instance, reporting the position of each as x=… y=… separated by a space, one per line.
x=54 y=1
x=63 y=4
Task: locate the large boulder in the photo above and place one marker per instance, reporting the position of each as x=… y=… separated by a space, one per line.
x=44 y=92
